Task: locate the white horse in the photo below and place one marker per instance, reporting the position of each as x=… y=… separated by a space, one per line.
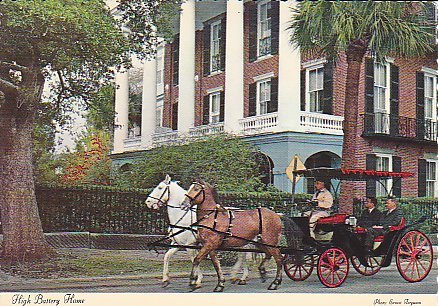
x=169 y=193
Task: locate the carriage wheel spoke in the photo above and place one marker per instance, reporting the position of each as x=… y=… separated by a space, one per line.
x=407 y=267
x=424 y=268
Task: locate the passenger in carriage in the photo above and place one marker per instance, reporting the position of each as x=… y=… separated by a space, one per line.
x=324 y=201
x=391 y=217
x=370 y=215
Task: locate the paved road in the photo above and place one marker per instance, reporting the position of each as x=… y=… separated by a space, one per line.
x=387 y=281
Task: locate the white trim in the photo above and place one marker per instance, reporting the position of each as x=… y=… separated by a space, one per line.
x=259 y=4
x=213 y=90
x=436 y=175
x=258 y=113
x=216 y=94
x=430 y=71
x=390 y=181
x=307 y=85
x=316 y=62
x=263 y=76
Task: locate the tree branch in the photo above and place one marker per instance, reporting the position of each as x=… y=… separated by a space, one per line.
x=8 y=88
x=14 y=66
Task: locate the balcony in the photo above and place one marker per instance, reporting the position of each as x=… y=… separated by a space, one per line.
x=163 y=138
x=382 y=125
x=132 y=142
x=321 y=123
x=258 y=124
x=208 y=129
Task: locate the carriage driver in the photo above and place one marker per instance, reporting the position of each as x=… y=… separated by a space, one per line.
x=324 y=200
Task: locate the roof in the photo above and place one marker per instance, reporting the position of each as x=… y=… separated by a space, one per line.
x=350 y=174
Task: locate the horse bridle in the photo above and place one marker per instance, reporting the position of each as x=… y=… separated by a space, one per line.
x=162 y=203
x=198 y=194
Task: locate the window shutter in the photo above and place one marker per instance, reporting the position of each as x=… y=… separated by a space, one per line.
x=430 y=12
x=303 y=90
x=396 y=182
x=253 y=25
x=222 y=42
x=252 y=99
x=207 y=43
x=175 y=52
x=369 y=96
x=394 y=101
x=422 y=165
x=206 y=110
x=371 y=164
x=273 y=104
x=175 y=116
x=222 y=107
x=327 y=98
x=420 y=105
x=275 y=26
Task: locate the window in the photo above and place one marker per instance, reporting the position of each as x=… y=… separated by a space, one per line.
x=215 y=58
x=314 y=89
x=160 y=69
x=430 y=106
x=264 y=29
x=431 y=179
x=384 y=186
x=215 y=99
x=263 y=96
x=159 y=113
x=381 y=97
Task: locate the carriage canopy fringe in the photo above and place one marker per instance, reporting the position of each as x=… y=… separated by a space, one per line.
x=351 y=174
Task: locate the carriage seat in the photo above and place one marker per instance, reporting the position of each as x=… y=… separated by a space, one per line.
x=334 y=219
x=361 y=230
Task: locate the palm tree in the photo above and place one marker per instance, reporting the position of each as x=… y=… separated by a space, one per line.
x=357 y=28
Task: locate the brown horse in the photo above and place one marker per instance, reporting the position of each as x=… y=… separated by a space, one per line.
x=221 y=228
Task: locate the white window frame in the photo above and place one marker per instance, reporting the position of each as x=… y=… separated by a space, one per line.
x=434 y=192
x=159 y=113
x=380 y=191
x=433 y=118
x=214 y=115
x=160 y=70
x=308 y=71
x=382 y=120
x=215 y=42
x=266 y=34
x=260 y=109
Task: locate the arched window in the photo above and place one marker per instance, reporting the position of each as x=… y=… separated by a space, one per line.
x=317 y=160
x=265 y=167
x=125 y=167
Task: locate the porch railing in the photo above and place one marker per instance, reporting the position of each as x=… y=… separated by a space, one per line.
x=321 y=123
x=258 y=124
x=208 y=129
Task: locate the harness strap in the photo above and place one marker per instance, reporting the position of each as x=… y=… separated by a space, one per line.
x=259 y=236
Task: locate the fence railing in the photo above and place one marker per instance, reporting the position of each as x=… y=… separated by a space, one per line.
x=113 y=210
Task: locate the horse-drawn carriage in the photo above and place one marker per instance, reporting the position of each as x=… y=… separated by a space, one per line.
x=218 y=228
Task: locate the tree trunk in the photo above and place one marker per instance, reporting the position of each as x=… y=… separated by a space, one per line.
x=355 y=57
x=23 y=237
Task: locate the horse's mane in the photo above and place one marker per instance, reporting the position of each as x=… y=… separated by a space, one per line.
x=213 y=191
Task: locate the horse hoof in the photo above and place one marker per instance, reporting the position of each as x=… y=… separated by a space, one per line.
x=273 y=287
x=242 y=282
x=165 y=284
x=193 y=287
x=219 y=288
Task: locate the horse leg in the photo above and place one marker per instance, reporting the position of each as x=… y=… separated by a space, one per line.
x=262 y=269
x=278 y=277
x=195 y=267
x=192 y=254
x=246 y=259
x=236 y=268
x=220 y=276
x=167 y=256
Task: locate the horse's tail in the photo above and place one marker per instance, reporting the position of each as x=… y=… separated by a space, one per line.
x=292 y=232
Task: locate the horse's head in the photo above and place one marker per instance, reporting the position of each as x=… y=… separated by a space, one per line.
x=195 y=195
x=160 y=195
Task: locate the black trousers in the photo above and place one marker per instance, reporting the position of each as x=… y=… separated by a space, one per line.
x=371 y=234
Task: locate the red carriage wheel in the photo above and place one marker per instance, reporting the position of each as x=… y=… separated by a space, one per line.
x=298 y=267
x=333 y=267
x=373 y=262
x=414 y=256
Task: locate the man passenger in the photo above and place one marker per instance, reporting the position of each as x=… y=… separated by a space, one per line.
x=370 y=215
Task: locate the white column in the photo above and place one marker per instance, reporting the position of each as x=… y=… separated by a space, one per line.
x=288 y=74
x=149 y=102
x=186 y=96
x=234 y=66
x=122 y=110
